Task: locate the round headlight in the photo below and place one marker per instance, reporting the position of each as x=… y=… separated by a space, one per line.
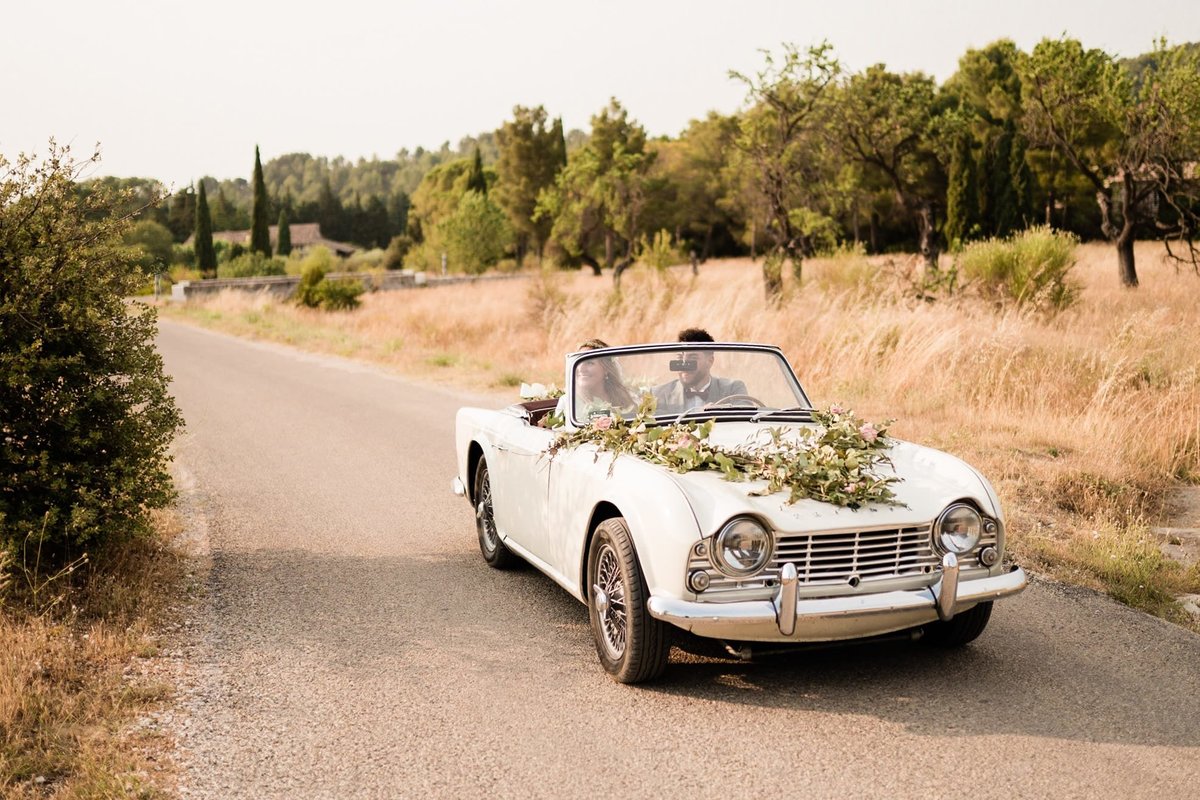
x=742 y=548
x=959 y=528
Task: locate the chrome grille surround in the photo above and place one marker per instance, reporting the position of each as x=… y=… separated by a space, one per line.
x=842 y=560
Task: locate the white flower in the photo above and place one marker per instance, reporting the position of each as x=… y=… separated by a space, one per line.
x=533 y=391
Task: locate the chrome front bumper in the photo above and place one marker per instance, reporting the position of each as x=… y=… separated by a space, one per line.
x=785 y=618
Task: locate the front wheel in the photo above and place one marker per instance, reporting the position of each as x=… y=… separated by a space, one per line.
x=494 y=552
x=961 y=628
x=633 y=646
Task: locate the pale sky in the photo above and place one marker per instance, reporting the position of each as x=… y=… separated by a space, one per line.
x=176 y=90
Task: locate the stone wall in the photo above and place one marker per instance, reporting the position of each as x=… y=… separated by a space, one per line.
x=284 y=286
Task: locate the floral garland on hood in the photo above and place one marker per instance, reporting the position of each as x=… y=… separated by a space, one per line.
x=836 y=461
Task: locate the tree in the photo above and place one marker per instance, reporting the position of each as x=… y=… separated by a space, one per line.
x=530 y=157
x=283 y=239
x=181 y=217
x=962 y=195
x=206 y=256
x=260 y=228
x=87 y=419
x=894 y=124
x=152 y=245
x=778 y=142
x=1136 y=142
x=476 y=235
x=598 y=197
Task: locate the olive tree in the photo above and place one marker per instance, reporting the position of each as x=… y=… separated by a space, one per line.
x=1134 y=138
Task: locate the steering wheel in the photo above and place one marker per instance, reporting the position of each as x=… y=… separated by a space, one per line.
x=733 y=397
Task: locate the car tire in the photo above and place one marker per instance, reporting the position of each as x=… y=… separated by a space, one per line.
x=494 y=552
x=632 y=645
x=959 y=629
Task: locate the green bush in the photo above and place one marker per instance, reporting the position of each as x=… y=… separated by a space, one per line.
x=308 y=292
x=250 y=265
x=1027 y=268
x=85 y=417
x=660 y=252
x=340 y=295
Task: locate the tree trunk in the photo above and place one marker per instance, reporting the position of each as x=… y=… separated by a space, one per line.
x=707 y=250
x=608 y=249
x=619 y=268
x=773 y=276
x=929 y=244
x=591 y=262
x=874 y=232
x=1129 y=276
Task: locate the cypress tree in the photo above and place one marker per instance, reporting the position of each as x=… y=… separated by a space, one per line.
x=1006 y=217
x=1022 y=181
x=559 y=142
x=260 y=231
x=206 y=256
x=962 y=195
x=477 y=182
x=283 y=241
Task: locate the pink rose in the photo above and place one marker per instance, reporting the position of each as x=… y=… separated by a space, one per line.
x=602 y=423
x=836 y=409
x=868 y=432
x=682 y=440
x=850 y=488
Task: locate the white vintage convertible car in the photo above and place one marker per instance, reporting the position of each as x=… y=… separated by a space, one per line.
x=649 y=549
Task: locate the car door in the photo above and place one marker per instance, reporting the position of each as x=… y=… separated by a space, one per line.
x=519 y=472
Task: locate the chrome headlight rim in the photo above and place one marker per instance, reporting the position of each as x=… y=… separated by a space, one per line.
x=940 y=537
x=717 y=549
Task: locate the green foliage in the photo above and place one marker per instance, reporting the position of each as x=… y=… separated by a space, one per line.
x=251 y=264
x=530 y=158
x=660 y=252
x=312 y=275
x=87 y=419
x=152 y=245
x=962 y=195
x=476 y=182
x=315 y=291
x=397 y=249
x=206 y=254
x=837 y=462
x=476 y=235
x=339 y=295
x=1029 y=268
x=260 y=233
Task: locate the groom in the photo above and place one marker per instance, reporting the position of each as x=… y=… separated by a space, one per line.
x=695 y=387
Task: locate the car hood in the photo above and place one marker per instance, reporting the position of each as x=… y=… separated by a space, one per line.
x=929 y=481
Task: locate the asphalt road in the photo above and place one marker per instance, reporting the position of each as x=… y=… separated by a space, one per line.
x=352 y=643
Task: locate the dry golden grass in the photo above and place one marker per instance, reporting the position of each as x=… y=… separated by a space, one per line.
x=69 y=679
x=1083 y=421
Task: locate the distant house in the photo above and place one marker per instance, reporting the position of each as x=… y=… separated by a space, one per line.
x=305 y=236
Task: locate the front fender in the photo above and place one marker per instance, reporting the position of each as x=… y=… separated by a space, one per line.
x=655 y=508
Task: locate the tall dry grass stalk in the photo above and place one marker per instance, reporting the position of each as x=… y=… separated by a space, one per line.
x=1083 y=420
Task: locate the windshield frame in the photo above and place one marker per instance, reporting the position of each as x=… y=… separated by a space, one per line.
x=677 y=347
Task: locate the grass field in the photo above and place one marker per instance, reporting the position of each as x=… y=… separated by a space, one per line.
x=1084 y=421
x=77 y=672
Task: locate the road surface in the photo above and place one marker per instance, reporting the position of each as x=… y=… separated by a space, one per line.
x=352 y=643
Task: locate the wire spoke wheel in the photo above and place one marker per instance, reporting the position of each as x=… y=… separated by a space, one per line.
x=632 y=645
x=610 y=592
x=490 y=545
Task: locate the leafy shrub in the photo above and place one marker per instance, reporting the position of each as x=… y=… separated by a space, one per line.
x=660 y=252
x=250 y=265
x=308 y=290
x=340 y=295
x=86 y=417
x=476 y=234
x=397 y=249
x=1028 y=268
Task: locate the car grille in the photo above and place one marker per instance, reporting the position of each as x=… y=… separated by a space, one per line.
x=845 y=557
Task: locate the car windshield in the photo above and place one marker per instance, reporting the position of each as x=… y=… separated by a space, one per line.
x=686 y=380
